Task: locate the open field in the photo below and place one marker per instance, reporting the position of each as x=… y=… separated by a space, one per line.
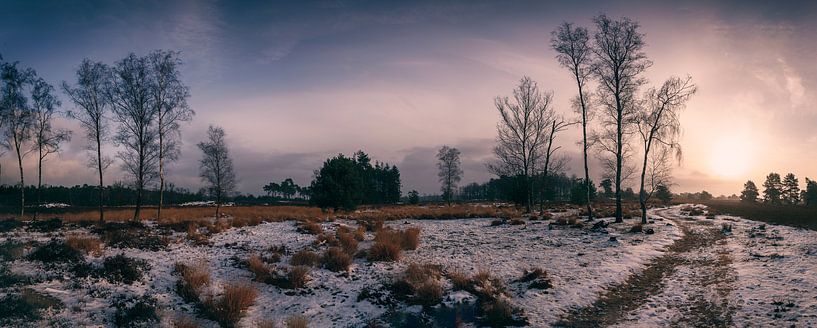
x=352 y=271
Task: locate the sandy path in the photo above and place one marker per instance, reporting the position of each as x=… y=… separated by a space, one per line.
x=698 y=263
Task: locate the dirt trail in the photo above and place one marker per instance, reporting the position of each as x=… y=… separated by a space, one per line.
x=699 y=260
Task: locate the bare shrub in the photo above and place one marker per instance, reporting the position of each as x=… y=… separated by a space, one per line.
x=335 y=259
x=637 y=228
x=304 y=257
x=86 y=244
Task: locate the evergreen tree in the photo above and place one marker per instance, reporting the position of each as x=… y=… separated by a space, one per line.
x=749 y=193
x=810 y=193
x=346 y=182
x=607 y=186
x=578 y=192
x=663 y=193
x=791 y=189
x=773 y=190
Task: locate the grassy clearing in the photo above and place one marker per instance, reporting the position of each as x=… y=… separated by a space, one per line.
x=795 y=216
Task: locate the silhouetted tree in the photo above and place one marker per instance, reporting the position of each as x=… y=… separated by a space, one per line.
x=750 y=192
x=704 y=195
x=573 y=52
x=131 y=96
x=16 y=115
x=522 y=134
x=551 y=163
x=413 y=197
x=450 y=173
x=772 y=189
x=790 y=189
x=170 y=99
x=659 y=127
x=618 y=63
x=216 y=166
x=47 y=140
x=810 y=193
x=663 y=194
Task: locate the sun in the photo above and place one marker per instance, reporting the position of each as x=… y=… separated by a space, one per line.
x=730 y=156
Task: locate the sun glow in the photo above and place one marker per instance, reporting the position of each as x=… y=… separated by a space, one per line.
x=730 y=156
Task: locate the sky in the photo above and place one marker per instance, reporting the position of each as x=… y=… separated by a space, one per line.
x=293 y=83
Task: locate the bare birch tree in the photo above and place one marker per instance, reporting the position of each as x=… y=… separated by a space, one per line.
x=170 y=98
x=659 y=125
x=47 y=140
x=450 y=171
x=132 y=105
x=522 y=133
x=618 y=63
x=573 y=52
x=17 y=116
x=216 y=166
x=89 y=96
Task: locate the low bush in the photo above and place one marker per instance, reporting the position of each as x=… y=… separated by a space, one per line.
x=141 y=239
x=185 y=321
x=134 y=311
x=7 y=225
x=335 y=259
x=27 y=305
x=56 y=251
x=305 y=257
x=516 y=222
x=637 y=228
x=500 y=313
x=87 y=244
x=123 y=269
x=297 y=321
x=12 y=250
x=49 y=225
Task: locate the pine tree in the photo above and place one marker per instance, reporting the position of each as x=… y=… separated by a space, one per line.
x=810 y=194
x=749 y=193
x=791 y=189
x=773 y=189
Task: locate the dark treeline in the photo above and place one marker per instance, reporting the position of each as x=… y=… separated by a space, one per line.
x=117 y=194
x=781 y=191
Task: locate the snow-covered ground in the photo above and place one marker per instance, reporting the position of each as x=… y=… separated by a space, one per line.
x=766 y=280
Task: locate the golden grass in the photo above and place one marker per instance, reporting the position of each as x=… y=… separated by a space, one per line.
x=298 y=276
x=229 y=307
x=262 y=271
x=297 y=321
x=304 y=257
x=385 y=251
x=335 y=259
x=85 y=244
x=237 y=215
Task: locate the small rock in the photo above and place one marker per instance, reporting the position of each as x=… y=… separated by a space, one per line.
x=613 y=238
x=649 y=231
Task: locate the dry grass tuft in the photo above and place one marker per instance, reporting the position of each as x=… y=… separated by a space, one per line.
x=385 y=251
x=335 y=259
x=193 y=279
x=298 y=276
x=266 y=323
x=459 y=279
x=325 y=239
x=347 y=241
x=360 y=233
x=305 y=257
x=297 y=321
x=229 y=307
x=262 y=271
x=310 y=227
x=185 y=321
x=86 y=244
